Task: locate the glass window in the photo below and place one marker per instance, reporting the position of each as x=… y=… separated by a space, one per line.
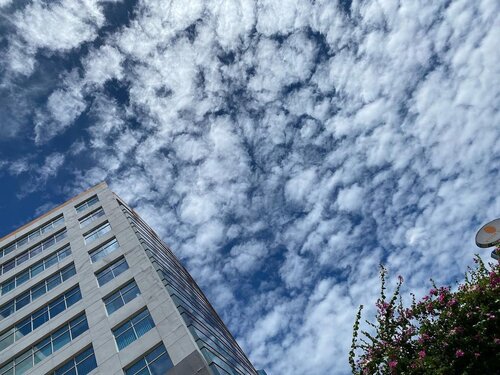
x=88 y=203
x=98 y=232
x=131 y=330
x=80 y=364
x=36 y=291
x=78 y=327
x=23 y=363
x=48 y=243
x=103 y=250
x=23 y=277
x=31 y=236
x=111 y=271
x=6 y=339
x=35 y=251
x=34 y=235
x=56 y=307
x=91 y=218
x=122 y=296
x=51 y=309
x=22 y=241
x=8 y=266
x=28 y=254
x=40 y=318
x=43 y=349
x=8 y=286
x=157 y=362
x=68 y=272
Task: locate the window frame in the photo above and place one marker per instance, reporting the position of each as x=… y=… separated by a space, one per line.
x=110 y=269
x=133 y=321
x=95 y=254
x=30 y=236
x=97 y=232
x=91 y=217
x=147 y=361
x=81 y=207
x=118 y=294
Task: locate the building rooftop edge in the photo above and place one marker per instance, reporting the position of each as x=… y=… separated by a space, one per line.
x=95 y=187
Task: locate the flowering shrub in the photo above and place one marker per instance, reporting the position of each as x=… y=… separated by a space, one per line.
x=444 y=333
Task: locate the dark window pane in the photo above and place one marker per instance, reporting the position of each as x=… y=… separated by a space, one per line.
x=42 y=350
x=130 y=294
x=48 y=243
x=22 y=241
x=125 y=339
x=7 y=339
x=38 y=291
x=23 y=277
x=40 y=318
x=65 y=369
x=104 y=277
x=62 y=339
x=73 y=297
x=64 y=253
x=120 y=267
x=136 y=367
x=56 y=307
x=124 y=327
x=22 y=258
x=9 y=249
x=53 y=281
x=8 y=286
x=8 y=310
x=144 y=326
x=23 y=328
x=34 y=235
x=161 y=365
x=36 y=269
x=68 y=273
x=80 y=357
x=87 y=365
x=24 y=363
x=35 y=251
x=79 y=328
x=51 y=261
x=114 y=305
x=8 y=266
x=61 y=236
x=22 y=301
x=46 y=228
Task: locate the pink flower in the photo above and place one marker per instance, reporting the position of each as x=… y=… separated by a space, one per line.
x=459 y=353
x=452 y=302
x=393 y=364
x=433 y=292
x=421 y=354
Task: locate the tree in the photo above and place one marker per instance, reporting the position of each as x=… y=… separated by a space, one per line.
x=444 y=333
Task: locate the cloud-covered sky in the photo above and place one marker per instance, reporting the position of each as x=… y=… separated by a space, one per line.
x=283 y=149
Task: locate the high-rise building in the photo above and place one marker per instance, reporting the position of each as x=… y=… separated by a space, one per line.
x=89 y=288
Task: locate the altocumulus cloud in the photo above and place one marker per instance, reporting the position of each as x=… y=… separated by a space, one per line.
x=283 y=149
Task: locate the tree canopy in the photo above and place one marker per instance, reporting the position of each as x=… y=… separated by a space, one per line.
x=446 y=332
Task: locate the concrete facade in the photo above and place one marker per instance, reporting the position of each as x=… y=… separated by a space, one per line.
x=170 y=327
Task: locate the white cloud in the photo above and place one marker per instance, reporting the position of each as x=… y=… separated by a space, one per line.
x=350 y=198
x=63 y=107
x=56 y=27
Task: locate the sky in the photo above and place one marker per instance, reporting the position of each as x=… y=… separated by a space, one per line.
x=282 y=149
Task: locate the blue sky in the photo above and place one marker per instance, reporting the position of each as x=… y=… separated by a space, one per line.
x=282 y=149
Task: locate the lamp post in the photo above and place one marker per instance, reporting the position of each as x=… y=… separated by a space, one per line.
x=489 y=236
